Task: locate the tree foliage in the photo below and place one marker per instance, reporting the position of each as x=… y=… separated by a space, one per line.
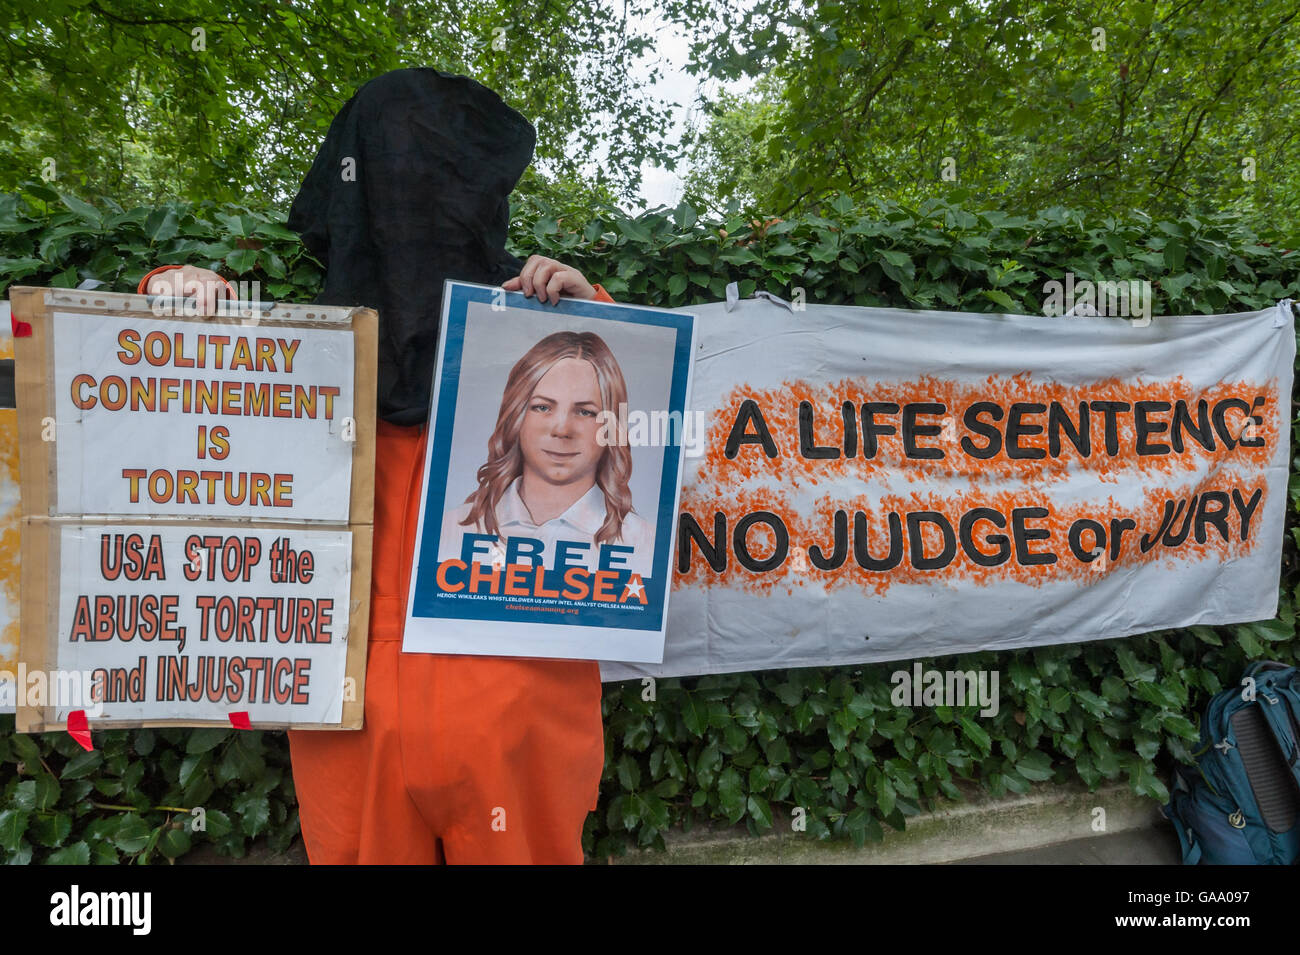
x=229 y=99
x=731 y=161
x=1103 y=105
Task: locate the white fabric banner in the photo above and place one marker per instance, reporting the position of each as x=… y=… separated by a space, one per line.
x=882 y=484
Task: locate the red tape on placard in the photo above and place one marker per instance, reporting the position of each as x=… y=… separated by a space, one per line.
x=240 y=721
x=20 y=329
x=79 y=729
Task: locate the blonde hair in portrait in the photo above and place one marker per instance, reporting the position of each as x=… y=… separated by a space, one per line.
x=505 y=460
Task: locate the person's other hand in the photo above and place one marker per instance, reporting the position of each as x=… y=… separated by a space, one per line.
x=190 y=282
x=549 y=279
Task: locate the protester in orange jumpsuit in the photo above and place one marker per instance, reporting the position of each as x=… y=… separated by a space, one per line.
x=463 y=759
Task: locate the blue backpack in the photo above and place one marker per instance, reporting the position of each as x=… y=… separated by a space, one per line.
x=1243 y=808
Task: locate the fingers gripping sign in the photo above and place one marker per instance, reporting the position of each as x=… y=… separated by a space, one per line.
x=549 y=280
x=202 y=286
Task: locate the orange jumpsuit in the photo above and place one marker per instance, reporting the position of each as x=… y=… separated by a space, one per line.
x=462 y=759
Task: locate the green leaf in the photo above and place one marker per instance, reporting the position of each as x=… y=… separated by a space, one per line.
x=1246 y=640
x=27 y=751
x=83 y=764
x=254 y=812
x=132 y=834
x=192 y=768
x=1272 y=631
x=760 y=811
x=1175 y=255
x=84 y=209
x=840 y=781
x=1000 y=298
x=733 y=255
x=103 y=852
x=1175 y=285
x=1114 y=689
x=174 y=843
x=1147 y=745
x=694 y=716
x=76 y=854
x=202 y=740
x=653 y=810
x=13 y=823
x=634 y=230
x=1179 y=725
x=777 y=751
x=162 y=224
x=731 y=795
x=1133 y=668
x=217 y=825
x=629 y=773
x=1145 y=783
x=14 y=269
x=242 y=260
x=1059 y=699
x=1035 y=766
x=976 y=734
x=862 y=827
x=886 y=797
x=46 y=794
x=52 y=829
x=274 y=230
x=1016 y=783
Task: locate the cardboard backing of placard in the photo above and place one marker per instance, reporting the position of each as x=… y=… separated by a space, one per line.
x=39 y=575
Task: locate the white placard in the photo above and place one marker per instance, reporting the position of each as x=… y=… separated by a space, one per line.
x=163 y=417
x=262 y=629
x=536 y=414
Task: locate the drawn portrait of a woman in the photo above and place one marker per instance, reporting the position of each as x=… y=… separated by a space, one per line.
x=552 y=473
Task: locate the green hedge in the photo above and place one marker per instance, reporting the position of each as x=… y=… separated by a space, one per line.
x=740 y=748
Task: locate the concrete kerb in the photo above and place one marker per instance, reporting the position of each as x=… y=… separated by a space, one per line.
x=954 y=831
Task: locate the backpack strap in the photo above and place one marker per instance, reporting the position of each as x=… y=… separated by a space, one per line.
x=1191 y=849
x=1280 y=702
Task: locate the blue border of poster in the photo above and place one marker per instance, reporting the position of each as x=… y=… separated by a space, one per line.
x=429 y=601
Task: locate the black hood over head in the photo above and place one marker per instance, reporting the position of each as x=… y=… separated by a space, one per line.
x=410 y=188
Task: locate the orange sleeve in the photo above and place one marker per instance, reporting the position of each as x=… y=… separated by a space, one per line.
x=601 y=294
x=144 y=282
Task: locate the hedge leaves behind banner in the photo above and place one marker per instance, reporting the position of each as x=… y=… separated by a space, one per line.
x=745 y=748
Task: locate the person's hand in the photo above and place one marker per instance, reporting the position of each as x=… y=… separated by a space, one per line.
x=190 y=282
x=549 y=279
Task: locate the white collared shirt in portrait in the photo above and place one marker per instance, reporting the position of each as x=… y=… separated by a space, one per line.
x=579 y=523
